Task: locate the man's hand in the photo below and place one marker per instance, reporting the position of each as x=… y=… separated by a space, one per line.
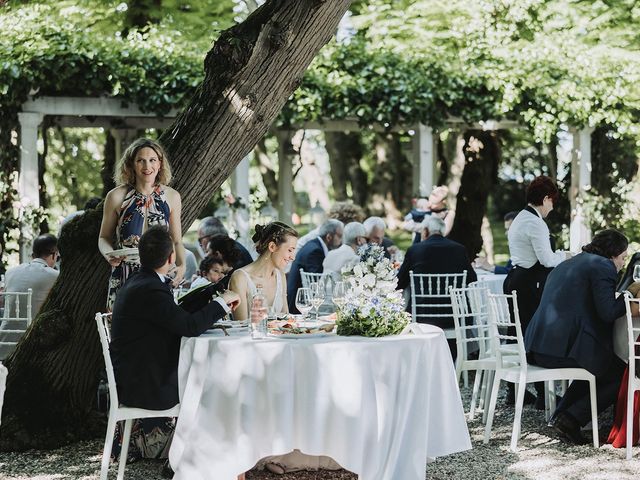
x=232 y=299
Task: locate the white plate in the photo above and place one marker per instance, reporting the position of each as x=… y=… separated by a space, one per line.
x=232 y=324
x=130 y=255
x=301 y=335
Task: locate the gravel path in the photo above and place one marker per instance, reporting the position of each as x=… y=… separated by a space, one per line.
x=542 y=455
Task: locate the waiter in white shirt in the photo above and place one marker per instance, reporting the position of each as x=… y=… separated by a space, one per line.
x=532 y=255
x=530 y=248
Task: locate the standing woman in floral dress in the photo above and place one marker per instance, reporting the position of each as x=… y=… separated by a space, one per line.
x=141 y=199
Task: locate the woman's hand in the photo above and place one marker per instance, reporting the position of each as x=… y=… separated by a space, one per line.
x=114 y=261
x=179 y=275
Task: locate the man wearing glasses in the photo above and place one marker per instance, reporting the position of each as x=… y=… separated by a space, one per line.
x=39 y=275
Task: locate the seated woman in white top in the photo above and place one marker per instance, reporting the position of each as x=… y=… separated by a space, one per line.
x=353 y=237
x=276 y=246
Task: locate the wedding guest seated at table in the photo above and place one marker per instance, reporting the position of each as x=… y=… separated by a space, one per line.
x=275 y=244
x=482 y=262
x=219 y=263
x=311 y=256
x=435 y=254
x=146 y=330
x=212 y=226
x=573 y=328
x=375 y=227
x=353 y=237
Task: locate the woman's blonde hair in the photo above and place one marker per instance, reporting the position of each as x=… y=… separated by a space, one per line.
x=125 y=173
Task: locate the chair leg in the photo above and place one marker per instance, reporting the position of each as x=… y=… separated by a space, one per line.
x=492 y=407
x=125 y=448
x=465 y=376
x=488 y=389
x=474 y=394
x=594 y=412
x=630 y=426
x=515 y=434
x=108 y=442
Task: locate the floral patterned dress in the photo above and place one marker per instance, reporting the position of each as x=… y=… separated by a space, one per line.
x=149 y=437
x=137 y=213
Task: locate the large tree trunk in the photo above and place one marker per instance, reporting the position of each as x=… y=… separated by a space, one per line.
x=267 y=169
x=480 y=174
x=250 y=72
x=106 y=173
x=345 y=151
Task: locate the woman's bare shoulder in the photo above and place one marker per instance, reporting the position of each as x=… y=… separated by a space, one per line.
x=116 y=195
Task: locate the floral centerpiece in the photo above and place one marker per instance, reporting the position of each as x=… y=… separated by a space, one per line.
x=372 y=306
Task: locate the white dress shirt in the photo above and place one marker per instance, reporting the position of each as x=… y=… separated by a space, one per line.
x=529 y=242
x=338 y=258
x=35 y=275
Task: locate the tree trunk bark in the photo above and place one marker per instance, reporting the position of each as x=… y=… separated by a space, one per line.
x=109 y=163
x=267 y=170
x=250 y=72
x=480 y=174
x=345 y=151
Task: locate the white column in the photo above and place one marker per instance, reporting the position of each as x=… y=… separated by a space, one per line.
x=285 y=179
x=240 y=189
x=424 y=160
x=579 y=232
x=28 y=184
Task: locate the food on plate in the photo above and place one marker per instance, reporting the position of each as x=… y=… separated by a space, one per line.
x=297 y=329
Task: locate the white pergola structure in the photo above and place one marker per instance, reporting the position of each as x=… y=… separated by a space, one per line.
x=123 y=121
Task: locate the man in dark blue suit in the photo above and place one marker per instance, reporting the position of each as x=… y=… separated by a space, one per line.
x=147 y=326
x=435 y=254
x=573 y=328
x=311 y=256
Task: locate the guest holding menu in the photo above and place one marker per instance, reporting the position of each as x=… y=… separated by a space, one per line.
x=141 y=199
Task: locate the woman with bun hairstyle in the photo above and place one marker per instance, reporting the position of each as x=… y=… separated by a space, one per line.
x=276 y=246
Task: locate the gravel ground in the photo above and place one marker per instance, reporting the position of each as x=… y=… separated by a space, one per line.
x=542 y=455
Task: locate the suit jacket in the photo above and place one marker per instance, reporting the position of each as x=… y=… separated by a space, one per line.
x=146 y=330
x=576 y=313
x=310 y=259
x=436 y=254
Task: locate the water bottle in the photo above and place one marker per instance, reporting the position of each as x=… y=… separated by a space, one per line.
x=258 y=314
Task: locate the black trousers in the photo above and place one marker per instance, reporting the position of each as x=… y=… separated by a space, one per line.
x=528 y=284
x=577 y=401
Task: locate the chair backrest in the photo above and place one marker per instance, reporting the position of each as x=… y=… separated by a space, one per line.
x=430 y=297
x=505 y=330
x=308 y=278
x=633 y=334
x=104 y=331
x=627 y=276
x=3 y=382
x=470 y=317
x=16 y=318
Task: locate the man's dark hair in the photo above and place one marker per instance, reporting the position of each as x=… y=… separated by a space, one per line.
x=224 y=248
x=607 y=243
x=541 y=187
x=155 y=246
x=510 y=215
x=45 y=245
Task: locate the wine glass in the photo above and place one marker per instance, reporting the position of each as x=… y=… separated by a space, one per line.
x=303 y=301
x=636 y=273
x=338 y=294
x=317 y=296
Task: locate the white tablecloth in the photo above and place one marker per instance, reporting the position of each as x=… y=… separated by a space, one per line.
x=491 y=281
x=378 y=407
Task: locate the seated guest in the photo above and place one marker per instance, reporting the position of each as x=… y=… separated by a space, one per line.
x=146 y=330
x=211 y=226
x=435 y=254
x=275 y=244
x=573 y=328
x=37 y=275
x=311 y=256
x=353 y=237
x=218 y=264
x=375 y=227
x=484 y=264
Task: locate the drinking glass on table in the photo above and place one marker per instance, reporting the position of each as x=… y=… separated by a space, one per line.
x=636 y=273
x=339 y=291
x=303 y=301
x=317 y=296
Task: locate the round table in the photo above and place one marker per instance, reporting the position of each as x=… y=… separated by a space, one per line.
x=378 y=406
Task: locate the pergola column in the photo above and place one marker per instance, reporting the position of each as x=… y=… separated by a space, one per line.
x=285 y=177
x=240 y=189
x=579 y=232
x=424 y=148
x=28 y=184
